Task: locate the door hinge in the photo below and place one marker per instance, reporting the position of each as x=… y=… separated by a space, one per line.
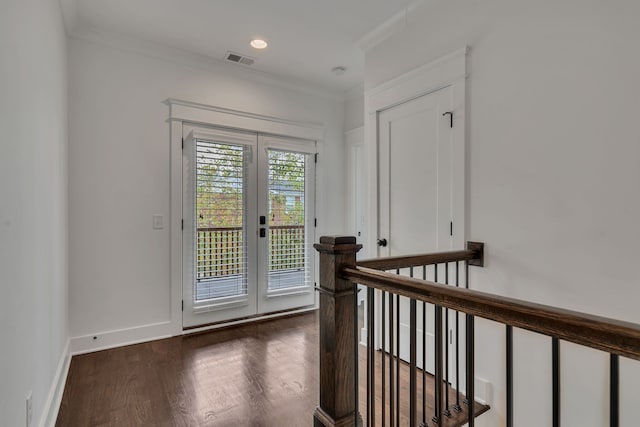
x=315 y=158
x=182 y=224
x=450 y=113
x=451 y=228
x=183 y=143
x=315 y=222
x=182 y=305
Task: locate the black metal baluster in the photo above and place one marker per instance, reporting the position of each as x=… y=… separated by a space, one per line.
x=614 y=390
x=437 y=417
x=356 y=345
x=383 y=356
x=437 y=380
x=424 y=355
x=509 y=376
x=391 y=342
x=412 y=362
x=555 y=349
x=470 y=370
x=412 y=359
x=398 y=357
x=446 y=411
x=371 y=365
x=457 y=406
x=470 y=359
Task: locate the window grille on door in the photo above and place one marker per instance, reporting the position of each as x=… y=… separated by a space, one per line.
x=221 y=252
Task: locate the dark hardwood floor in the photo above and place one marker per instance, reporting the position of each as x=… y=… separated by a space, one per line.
x=255 y=375
x=262 y=374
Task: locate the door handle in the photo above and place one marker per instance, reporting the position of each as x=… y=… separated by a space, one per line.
x=382 y=242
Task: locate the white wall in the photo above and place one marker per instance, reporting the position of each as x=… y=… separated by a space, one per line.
x=33 y=207
x=119 y=176
x=554 y=151
x=354 y=109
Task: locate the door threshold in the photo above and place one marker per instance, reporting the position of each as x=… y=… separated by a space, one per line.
x=249 y=319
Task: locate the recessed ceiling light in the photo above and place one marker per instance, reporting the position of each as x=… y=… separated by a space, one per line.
x=259 y=43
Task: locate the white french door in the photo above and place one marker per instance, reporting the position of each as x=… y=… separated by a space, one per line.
x=248 y=207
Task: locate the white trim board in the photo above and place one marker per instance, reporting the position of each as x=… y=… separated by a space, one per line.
x=388 y=28
x=208 y=115
x=119 y=338
x=54 y=398
x=354 y=136
x=420 y=81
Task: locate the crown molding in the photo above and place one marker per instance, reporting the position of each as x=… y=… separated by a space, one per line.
x=389 y=27
x=189 y=59
x=69 y=10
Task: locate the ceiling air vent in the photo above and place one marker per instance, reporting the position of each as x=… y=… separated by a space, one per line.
x=239 y=59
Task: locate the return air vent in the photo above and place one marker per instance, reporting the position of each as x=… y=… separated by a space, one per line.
x=239 y=59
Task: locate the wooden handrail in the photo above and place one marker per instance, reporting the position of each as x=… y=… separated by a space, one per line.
x=609 y=335
x=407 y=261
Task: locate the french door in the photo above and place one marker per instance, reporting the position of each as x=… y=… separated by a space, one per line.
x=248 y=207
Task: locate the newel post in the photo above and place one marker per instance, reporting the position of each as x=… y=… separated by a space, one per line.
x=337 y=334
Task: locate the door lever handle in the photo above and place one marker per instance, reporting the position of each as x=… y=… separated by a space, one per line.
x=382 y=242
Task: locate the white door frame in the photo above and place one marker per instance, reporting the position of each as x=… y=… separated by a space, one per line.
x=447 y=71
x=185 y=112
x=450 y=70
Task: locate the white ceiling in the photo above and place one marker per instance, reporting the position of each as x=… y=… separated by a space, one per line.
x=307 y=38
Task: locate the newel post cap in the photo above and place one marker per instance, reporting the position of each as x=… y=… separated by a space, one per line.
x=337 y=244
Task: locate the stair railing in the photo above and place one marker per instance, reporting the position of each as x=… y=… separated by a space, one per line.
x=385 y=403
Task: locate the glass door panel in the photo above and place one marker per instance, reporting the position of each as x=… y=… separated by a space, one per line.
x=288 y=199
x=219 y=226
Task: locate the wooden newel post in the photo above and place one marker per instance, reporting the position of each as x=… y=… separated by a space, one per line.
x=337 y=334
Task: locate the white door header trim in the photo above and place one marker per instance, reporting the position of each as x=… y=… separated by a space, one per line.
x=420 y=81
x=202 y=114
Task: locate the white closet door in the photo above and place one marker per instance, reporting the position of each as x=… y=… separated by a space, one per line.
x=416 y=192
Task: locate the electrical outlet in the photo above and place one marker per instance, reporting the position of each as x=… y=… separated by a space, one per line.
x=29 y=409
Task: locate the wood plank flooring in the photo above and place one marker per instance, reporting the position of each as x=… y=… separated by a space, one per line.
x=257 y=375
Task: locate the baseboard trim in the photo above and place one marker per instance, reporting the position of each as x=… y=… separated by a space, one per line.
x=121 y=337
x=52 y=405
